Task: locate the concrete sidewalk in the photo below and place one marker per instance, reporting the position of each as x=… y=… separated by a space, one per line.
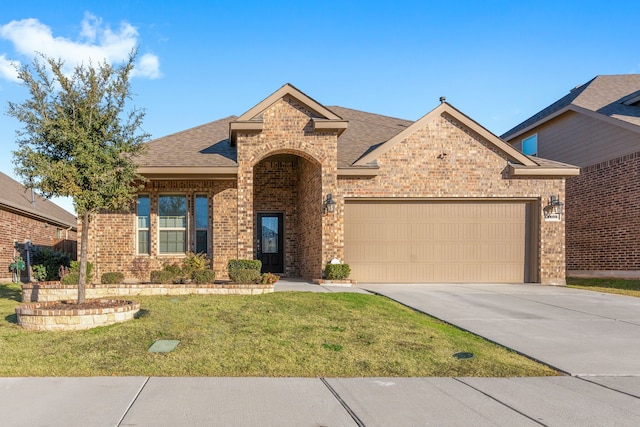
x=579 y=332
x=296 y=402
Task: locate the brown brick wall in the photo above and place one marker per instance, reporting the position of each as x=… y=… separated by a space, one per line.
x=288 y=130
x=468 y=167
x=603 y=216
x=17 y=228
x=112 y=243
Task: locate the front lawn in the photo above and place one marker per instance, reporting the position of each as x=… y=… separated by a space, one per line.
x=281 y=334
x=612 y=286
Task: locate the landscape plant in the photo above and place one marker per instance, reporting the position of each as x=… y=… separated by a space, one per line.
x=337 y=271
x=112 y=278
x=52 y=260
x=79 y=139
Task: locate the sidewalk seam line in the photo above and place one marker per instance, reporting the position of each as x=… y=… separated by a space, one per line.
x=133 y=401
x=500 y=402
x=343 y=403
x=606 y=386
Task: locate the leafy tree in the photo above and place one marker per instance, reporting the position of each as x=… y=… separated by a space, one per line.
x=78 y=138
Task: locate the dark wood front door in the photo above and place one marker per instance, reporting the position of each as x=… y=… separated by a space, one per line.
x=270 y=242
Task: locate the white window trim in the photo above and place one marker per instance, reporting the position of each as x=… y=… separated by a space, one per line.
x=183 y=229
x=147 y=229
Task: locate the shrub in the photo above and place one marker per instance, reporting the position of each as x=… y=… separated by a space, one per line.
x=337 y=271
x=162 y=276
x=196 y=262
x=71 y=279
x=75 y=268
x=112 y=278
x=269 y=278
x=244 y=275
x=39 y=272
x=172 y=268
x=51 y=260
x=203 y=276
x=247 y=264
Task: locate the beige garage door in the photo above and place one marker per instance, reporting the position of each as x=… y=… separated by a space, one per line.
x=438 y=242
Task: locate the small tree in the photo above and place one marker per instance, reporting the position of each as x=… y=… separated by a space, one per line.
x=78 y=139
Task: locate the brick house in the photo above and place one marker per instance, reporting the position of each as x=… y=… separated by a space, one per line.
x=27 y=216
x=297 y=184
x=596 y=127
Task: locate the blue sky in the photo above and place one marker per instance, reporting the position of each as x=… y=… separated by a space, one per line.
x=497 y=61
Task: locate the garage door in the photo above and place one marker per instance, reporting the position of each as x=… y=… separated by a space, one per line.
x=438 y=242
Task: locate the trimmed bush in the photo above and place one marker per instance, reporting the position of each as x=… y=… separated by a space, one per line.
x=269 y=278
x=245 y=275
x=163 y=277
x=172 y=268
x=244 y=264
x=71 y=279
x=337 y=271
x=203 y=276
x=112 y=278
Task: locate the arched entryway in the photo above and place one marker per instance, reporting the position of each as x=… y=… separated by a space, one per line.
x=287 y=197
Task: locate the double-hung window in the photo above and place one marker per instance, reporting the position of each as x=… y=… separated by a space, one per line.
x=202 y=224
x=172 y=216
x=143 y=224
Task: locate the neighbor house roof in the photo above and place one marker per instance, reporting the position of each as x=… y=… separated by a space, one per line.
x=610 y=98
x=16 y=197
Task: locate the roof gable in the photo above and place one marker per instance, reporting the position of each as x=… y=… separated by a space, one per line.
x=610 y=98
x=448 y=109
x=323 y=118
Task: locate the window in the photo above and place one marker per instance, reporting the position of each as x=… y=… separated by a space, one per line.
x=530 y=145
x=143 y=224
x=172 y=213
x=202 y=224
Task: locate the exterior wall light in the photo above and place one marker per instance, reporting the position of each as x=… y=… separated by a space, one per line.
x=554 y=210
x=328 y=205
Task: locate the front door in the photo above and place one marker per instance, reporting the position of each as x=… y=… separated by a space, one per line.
x=270 y=242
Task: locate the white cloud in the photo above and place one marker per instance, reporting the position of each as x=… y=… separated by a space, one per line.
x=8 y=70
x=96 y=43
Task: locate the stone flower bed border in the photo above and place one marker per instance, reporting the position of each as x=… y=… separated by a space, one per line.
x=37 y=317
x=54 y=291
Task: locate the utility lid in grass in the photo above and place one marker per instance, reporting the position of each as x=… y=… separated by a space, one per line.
x=163 y=346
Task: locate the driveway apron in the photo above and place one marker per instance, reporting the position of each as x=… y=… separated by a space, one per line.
x=582 y=333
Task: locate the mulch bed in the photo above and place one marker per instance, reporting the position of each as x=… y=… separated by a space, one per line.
x=88 y=304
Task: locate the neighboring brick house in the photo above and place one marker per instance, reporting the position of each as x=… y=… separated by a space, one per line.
x=436 y=200
x=27 y=216
x=597 y=127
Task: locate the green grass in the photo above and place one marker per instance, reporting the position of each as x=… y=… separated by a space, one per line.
x=280 y=335
x=612 y=286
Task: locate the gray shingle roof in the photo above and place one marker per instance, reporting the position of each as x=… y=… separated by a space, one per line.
x=205 y=145
x=208 y=144
x=16 y=197
x=602 y=94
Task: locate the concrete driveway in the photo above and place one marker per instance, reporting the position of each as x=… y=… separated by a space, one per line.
x=582 y=333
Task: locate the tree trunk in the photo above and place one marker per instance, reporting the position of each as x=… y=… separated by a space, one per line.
x=84 y=242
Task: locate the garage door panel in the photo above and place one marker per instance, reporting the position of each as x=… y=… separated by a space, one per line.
x=436 y=241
